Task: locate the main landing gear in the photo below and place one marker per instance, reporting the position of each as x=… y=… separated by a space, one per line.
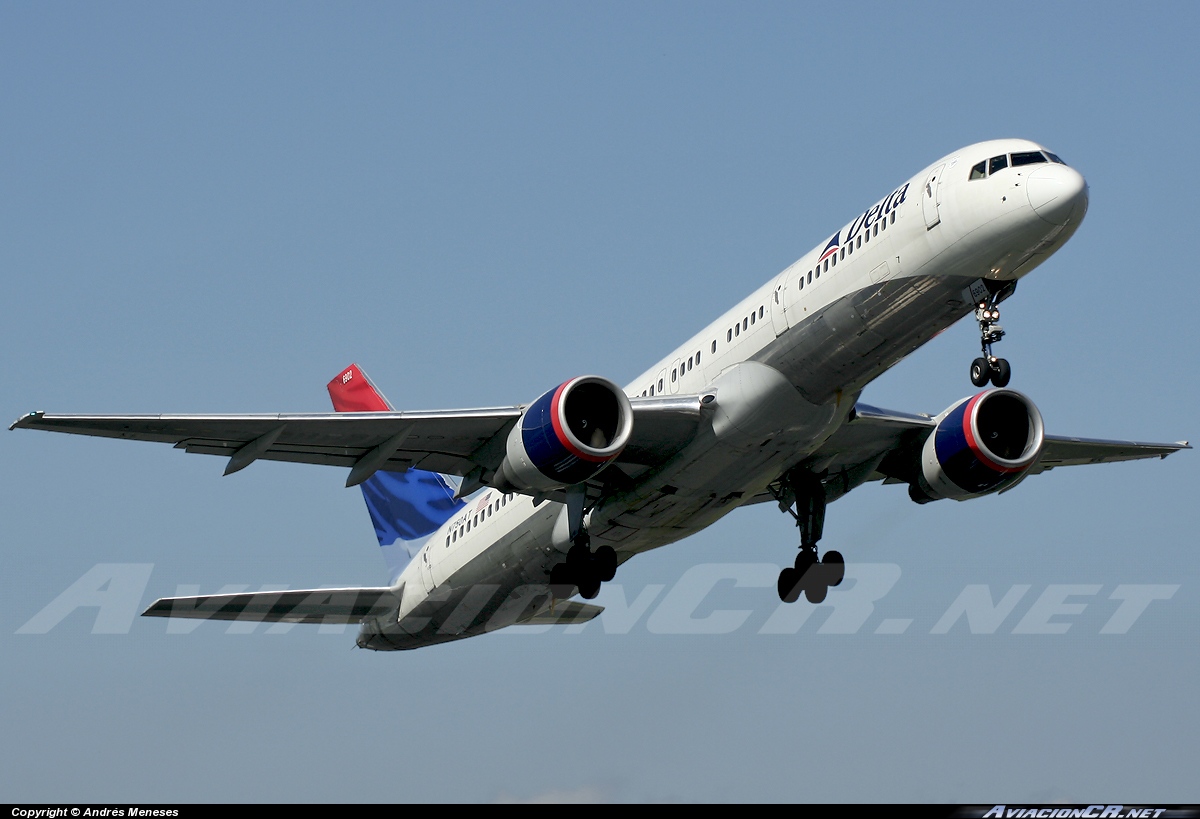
x=987 y=367
x=809 y=575
x=583 y=569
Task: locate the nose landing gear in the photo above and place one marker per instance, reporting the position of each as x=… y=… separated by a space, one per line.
x=988 y=367
x=809 y=575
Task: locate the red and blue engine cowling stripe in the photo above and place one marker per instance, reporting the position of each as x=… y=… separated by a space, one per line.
x=548 y=446
x=962 y=458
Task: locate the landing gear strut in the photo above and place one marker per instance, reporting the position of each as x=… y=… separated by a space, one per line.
x=811 y=575
x=988 y=367
x=583 y=569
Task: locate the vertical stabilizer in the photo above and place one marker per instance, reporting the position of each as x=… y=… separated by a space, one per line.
x=406 y=507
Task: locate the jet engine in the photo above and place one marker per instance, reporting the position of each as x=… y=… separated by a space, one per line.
x=566 y=436
x=981 y=445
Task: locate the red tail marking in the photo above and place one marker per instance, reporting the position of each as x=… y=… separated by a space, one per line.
x=352 y=391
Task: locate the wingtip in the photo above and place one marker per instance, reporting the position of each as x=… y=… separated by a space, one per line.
x=155 y=609
x=24 y=420
x=1179 y=445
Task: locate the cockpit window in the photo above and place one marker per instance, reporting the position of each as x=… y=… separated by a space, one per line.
x=1054 y=158
x=997 y=163
x=1027 y=158
x=979 y=171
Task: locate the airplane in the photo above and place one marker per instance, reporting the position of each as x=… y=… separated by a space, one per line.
x=760 y=406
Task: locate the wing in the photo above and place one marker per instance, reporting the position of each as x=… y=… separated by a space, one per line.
x=294 y=606
x=1063 y=451
x=873 y=441
x=452 y=442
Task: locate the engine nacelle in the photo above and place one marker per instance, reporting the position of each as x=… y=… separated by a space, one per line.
x=566 y=436
x=981 y=445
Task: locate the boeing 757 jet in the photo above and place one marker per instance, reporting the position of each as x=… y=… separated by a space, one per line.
x=760 y=406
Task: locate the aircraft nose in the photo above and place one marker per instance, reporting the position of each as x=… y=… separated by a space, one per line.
x=1058 y=194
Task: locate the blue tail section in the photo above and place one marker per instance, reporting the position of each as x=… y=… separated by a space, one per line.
x=405 y=506
x=408 y=505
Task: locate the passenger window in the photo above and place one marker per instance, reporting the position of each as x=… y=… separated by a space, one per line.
x=979 y=171
x=698 y=355
x=859 y=241
x=760 y=312
x=660 y=385
x=737 y=329
x=826 y=267
x=729 y=335
x=843 y=253
x=893 y=218
x=714 y=346
x=651 y=390
x=752 y=318
x=672 y=376
x=997 y=163
x=810 y=277
x=875 y=229
x=867 y=235
x=1027 y=158
x=833 y=259
x=883 y=225
x=850 y=249
x=745 y=324
x=802 y=280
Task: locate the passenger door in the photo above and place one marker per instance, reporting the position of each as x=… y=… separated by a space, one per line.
x=778 y=314
x=930 y=198
x=426 y=571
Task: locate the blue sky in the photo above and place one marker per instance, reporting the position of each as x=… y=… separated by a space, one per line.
x=215 y=207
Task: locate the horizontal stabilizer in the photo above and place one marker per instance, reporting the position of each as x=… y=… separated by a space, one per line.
x=562 y=614
x=292 y=606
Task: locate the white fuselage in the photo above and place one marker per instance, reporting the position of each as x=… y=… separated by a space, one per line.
x=796 y=352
